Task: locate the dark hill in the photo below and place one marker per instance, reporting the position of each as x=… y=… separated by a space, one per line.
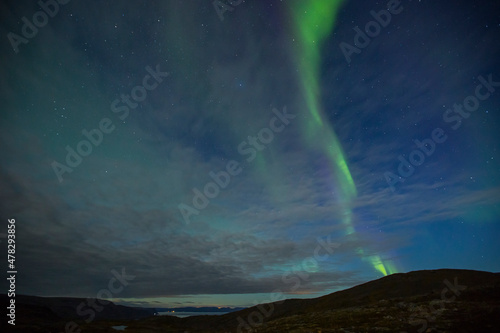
x=409 y=302
x=445 y=300
x=44 y=314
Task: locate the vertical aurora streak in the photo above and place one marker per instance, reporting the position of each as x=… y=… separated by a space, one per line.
x=312 y=22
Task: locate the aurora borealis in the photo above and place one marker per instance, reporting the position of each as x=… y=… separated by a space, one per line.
x=314 y=21
x=258 y=130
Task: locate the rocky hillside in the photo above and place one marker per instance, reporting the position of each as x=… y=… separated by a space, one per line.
x=445 y=300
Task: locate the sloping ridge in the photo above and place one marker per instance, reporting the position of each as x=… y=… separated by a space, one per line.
x=474 y=288
x=64 y=308
x=424 y=284
x=406 y=285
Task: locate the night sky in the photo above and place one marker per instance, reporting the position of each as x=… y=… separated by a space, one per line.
x=217 y=155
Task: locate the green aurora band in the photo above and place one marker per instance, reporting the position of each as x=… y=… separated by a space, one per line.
x=313 y=21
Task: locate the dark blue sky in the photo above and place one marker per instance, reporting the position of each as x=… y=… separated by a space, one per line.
x=233 y=119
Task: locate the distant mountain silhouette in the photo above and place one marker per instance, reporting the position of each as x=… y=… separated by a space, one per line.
x=51 y=314
x=445 y=300
x=200 y=309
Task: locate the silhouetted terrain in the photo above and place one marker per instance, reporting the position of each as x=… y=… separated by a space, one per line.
x=200 y=309
x=445 y=300
x=51 y=314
